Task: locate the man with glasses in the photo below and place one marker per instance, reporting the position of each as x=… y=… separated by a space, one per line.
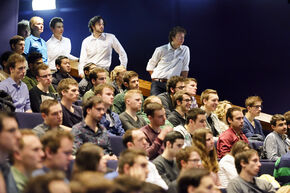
x=14 y=85
x=182 y=105
x=40 y=92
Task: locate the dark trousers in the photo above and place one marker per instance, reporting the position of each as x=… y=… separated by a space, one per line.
x=157 y=88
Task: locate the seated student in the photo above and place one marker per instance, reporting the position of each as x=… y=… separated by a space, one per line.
x=85 y=84
x=196 y=180
x=287 y=117
x=191 y=87
x=131 y=82
x=14 y=85
x=174 y=84
x=165 y=163
x=282 y=169
x=40 y=92
x=149 y=100
x=4 y=72
x=195 y=119
x=227 y=169
x=117 y=76
x=221 y=112
x=17 y=44
x=182 y=102
x=90 y=130
x=276 y=143
x=252 y=127
x=248 y=165
x=68 y=91
x=227 y=139
x=129 y=118
x=209 y=99
x=154 y=134
x=51 y=113
x=27 y=158
x=63 y=67
x=110 y=120
x=203 y=140
x=97 y=76
x=57 y=147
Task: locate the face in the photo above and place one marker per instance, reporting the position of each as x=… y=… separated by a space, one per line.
x=178 y=39
x=141 y=164
x=63 y=156
x=31 y=154
x=72 y=93
x=38 y=25
x=44 y=77
x=34 y=65
x=256 y=109
x=135 y=102
x=97 y=112
x=177 y=145
x=120 y=75
x=281 y=127
x=209 y=142
x=194 y=161
x=108 y=96
x=191 y=88
x=200 y=122
x=159 y=118
x=139 y=140
x=54 y=117
x=212 y=102
x=238 y=120
x=186 y=103
x=134 y=83
x=179 y=86
x=19 y=71
x=19 y=47
x=10 y=135
x=99 y=27
x=206 y=185
x=58 y=29
x=102 y=78
x=253 y=167
x=65 y=66
x=58 y=186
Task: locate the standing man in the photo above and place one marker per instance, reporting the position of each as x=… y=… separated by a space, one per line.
x=97 y=48
x=169 y=60
x=57 y=45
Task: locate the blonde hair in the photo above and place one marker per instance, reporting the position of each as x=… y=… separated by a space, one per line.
x=33 y=21
x=114 y=73
x=221 y=109
x=205 y=94
x=130 y=93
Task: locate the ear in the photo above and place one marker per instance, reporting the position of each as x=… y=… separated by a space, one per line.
x=243 y=163
x=11 y=70
x=126 y=169
x=190 y=189
x=63 y=92
x=178 y=102
x=57 y=67
x=126 y=84
x=248 y=108
x=17 y=155
x=48 y=153
x=130 y=145
x=183 y=164
x=12 y=46
x=93 y=81
x=43 y=115
x=229 y=120
x=168 y=144
x=172 y=90
x=273 y=127
x=204 y=101
x=150 y=118
x=37 y=78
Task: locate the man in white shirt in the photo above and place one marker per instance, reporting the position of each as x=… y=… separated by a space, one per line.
x=57 y=45
x=169 y=60
x=97 y=48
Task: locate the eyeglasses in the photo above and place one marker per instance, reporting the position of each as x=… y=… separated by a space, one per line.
x=258 y=106
x=46 y=76
x=187 y=100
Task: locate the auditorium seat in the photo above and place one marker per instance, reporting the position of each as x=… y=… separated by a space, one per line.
x=223 y=190
x=256 y=144
x=267 y=167
x=117 y=144
x=28 y=120
x=112 y=164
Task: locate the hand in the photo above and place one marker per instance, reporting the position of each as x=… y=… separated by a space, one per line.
x=164 y=132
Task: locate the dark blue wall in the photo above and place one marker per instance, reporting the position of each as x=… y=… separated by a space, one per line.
x=240 y=48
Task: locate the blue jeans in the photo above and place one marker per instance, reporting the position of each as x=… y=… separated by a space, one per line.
x=157 y=88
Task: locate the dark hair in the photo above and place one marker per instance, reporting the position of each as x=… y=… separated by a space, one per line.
x=275 y=118
x=128 y=136
x=148 y=187
x=127 y=184
x=184 y=155
x=93 y=21
x=4 y=57
x=129 y=156
x=55 y=20
x=15 y=39
x=172 y=136
x=33 y=57
x=171 y=83
x=174 y=31
x=59 y=59
x=128 y=75
x=230 y=111
x=94 y=73
x=243 y=156
x=4 y=115
x=151 y=108
x=92 y=101
x=193 y=113
x=88 y=66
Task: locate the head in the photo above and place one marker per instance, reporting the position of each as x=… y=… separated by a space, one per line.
x=235 y=118
x=88 y=68
x=4 y=59
x=148 y=187
x=131 y=80
x=68 y=89
x=106 y=92
x=182 y=101
x=23 y=28
x=17 y=66
x=133 y=100
x=51 y=113
x=173 y=142
x=248 y=162
x=238 y=147
x=96 y=24
x=195 y=119
x=56 y=26
x=36 y=25
x=133 y=160
x=195 y=180
x=62 y=64
x=17 y=44
x=209 y=99
x=287 y=117
x=174 y=84
x=30 y=153
x=98 y=76
x=151 y=99
x=155 y=113
x=9 y=132
x=191 y=86
x=279 y=124
x=188 y=158
x=128 y=184
x=176 y=35
x=94 y=108
x=118 y=73
x=135 y=139
x=222 y=109
x=57 y=146
x=254 y=105
x=43 y=75
x=34 y=59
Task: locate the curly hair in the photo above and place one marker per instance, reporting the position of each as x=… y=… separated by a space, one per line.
x=221 y=109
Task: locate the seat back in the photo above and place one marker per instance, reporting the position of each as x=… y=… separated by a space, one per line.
x=267 y=167
x=117 y=144
x=28 y=120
